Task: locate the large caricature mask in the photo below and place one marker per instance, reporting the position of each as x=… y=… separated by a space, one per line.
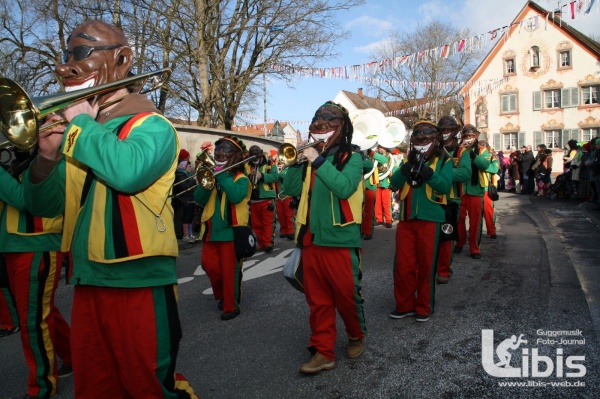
x=97 y=53
x=327 y=125
x=450 y=131
x=255 y=151
x=425 y=138
x=227 y=152
x=469 y=136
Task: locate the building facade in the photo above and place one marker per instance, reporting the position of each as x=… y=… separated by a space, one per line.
x=550 y=94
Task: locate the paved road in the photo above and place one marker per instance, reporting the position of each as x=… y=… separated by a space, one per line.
x=539 y=278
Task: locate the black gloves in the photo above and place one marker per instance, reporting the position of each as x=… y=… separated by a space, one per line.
x=413 y=157
x=426 y=172
x=406 y=168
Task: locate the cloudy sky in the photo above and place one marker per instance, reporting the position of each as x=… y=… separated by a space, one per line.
x=373 y=22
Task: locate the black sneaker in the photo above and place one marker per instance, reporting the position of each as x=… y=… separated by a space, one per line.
x=493 y=236
x=457 y=250
x=229 y=315
x=422 y=317
x=476 y=256
x=64 y=371
x=400 y=315
x=6 y=332
x=388 y=225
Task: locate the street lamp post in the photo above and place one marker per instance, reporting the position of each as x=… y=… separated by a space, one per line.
x=273 y=28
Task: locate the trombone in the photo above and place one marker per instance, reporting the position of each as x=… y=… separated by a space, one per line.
x=287 y=154
x=20 y=115
x=206 y=176
x=206 y=161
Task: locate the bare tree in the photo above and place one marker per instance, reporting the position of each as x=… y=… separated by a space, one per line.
x=422 y=76
x=218 y=49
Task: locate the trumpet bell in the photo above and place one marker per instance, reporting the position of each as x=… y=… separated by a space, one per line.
x=205 y=178
x=18 y=122
x=287 y=154
x=205 y=159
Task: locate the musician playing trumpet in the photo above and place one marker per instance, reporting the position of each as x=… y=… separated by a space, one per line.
x=424 y=180
x=225 y=207
x=471 y=204
x=461 y=172
x=284 y=207
x=263 y=176
x=330 y=186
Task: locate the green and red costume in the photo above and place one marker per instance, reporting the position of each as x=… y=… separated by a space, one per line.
x=417 y=237
x=328 y=230
x=113 y=185
x=31 y=246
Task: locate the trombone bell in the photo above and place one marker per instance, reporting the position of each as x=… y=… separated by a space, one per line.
x=18 y=123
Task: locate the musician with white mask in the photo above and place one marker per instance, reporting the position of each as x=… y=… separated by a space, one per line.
x=424 y=180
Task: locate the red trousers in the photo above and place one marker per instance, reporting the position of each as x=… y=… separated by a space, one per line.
x=383 y=205
x=263 y=221
x=33 y=278
x=445 y=257
x=414 y=266
x=285 y=216
x=225 y=273
x=9 y=319
x=368 y=212
x=489 y=215
x=332 y=279
x=472 y=206
x=125 y=343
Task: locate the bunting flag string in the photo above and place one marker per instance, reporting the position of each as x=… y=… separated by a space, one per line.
x=362 y=72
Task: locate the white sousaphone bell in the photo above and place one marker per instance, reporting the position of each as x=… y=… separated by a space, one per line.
x=367 y=127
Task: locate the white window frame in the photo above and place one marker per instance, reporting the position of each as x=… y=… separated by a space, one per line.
x=589 y=133
x=562 y=62
x=551 y=99
x=509 y=66
x=589 y=95
x=552 y=138
x=510 y=140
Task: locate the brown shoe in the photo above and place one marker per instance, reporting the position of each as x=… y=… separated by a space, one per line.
x=317 y=363
x=442 y=279
x=355 y=348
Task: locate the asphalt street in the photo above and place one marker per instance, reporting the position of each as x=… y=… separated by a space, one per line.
x=538 y=281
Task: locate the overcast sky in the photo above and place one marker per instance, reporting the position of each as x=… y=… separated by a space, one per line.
x=373 y=22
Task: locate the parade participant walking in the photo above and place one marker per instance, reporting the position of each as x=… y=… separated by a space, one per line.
x=263 y=176
x=471 y=204
x=225 y=207
x=111 y=173
x=9 y=320
x=489 y=213
x=31 y=247
x=423 y=179
x=330 y=186
x=461 y=172
x=381 y=178
x=368 y=218
x=284 y=206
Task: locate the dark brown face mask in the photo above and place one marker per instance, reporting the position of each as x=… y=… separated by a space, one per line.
x=97 y=53
x=327 y=119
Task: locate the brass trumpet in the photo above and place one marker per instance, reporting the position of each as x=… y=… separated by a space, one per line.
x=287 y=154
x=415 y=178
x=20 y=115
x=206 y=176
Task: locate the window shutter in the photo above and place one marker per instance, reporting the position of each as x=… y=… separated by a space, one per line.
x=496 y=141
x=538 y=138
x=504 y=103
x=565 y=136
x=574 y=96
x=565 y=98
x=575 y=134
x=521 y=139
x=537 y=100
x=513 y=103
